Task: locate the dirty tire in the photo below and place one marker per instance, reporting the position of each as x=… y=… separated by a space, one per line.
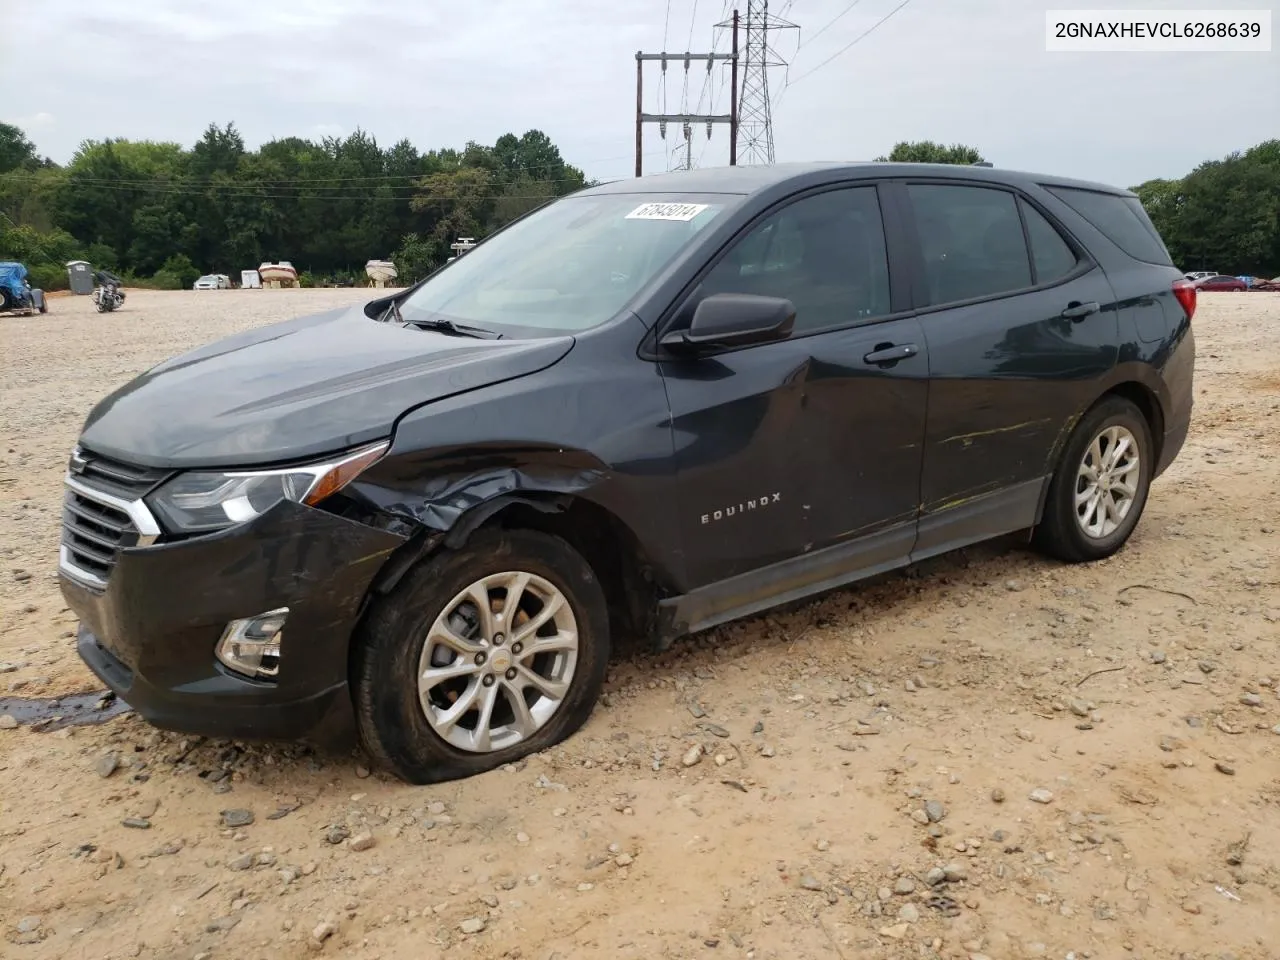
x=5 y=303
x=1059 y=534
x=389 y=717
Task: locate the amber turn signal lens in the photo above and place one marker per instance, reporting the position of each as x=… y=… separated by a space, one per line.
x=342 y=473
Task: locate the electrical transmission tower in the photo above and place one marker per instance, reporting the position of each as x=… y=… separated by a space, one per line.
x=755 y=117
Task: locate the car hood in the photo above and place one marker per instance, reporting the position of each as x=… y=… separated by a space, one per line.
x=297 y=389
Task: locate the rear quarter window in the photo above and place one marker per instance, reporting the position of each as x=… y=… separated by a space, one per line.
x=1120 y=219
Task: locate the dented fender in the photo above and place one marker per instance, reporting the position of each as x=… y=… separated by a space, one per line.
x=438 y=503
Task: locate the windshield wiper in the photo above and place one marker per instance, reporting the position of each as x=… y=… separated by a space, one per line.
x=449 y=326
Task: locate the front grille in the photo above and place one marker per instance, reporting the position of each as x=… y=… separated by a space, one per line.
x=103 y=512
x=122 y=480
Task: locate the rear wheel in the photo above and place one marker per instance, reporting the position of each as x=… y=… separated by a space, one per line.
x=480 y=657
x=5 y=300
x=1100 y=489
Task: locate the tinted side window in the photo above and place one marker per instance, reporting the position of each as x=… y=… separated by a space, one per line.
x=971 y=239
x=824 y=253
x=1121 y=219
x=1052 y=256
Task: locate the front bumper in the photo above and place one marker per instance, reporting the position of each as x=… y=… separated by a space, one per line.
x=149 y=634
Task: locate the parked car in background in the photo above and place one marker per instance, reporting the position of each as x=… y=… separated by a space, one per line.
x=212 y=281
x=1200 y=275
x=1221 y=282
x=645 y=409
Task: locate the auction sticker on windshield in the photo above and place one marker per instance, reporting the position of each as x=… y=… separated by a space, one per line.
x=667 y=211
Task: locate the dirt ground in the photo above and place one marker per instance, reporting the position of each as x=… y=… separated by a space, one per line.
x=868 y=762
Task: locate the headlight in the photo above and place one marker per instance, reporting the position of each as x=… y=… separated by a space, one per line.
x=201 y=502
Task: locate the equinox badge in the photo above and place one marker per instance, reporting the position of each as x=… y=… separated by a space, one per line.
x=740 y=508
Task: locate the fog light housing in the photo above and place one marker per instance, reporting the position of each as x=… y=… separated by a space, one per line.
x=251 y=647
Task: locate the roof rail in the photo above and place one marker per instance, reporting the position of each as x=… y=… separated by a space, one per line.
x=980 y=163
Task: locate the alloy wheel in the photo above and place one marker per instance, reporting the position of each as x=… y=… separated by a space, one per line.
x=1107 y=482
x=497 y=662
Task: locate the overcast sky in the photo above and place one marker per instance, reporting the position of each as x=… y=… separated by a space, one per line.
x=442 y=73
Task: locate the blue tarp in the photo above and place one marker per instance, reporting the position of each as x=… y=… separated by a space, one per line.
x=12 y=274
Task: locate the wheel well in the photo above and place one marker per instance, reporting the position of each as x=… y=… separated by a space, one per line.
x=1146 y=401
x=609 y=547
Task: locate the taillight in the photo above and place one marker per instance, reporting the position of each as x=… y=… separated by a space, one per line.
x=1185 y=291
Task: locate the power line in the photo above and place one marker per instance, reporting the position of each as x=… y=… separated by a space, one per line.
x=828 y=24
x=288 y=181
x=308 y=198
x=686 y=129
x=237 y=183
x=850 y=44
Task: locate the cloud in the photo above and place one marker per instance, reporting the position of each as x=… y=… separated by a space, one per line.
x=41 y=119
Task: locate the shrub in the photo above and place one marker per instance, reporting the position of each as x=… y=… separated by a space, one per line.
x=48 y=276
x=180 y=268
x=166 y=280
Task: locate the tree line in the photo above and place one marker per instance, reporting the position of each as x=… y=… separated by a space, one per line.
x=1224 y=215
x=160 y=211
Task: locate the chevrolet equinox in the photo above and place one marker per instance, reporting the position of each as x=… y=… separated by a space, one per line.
x=650 y=407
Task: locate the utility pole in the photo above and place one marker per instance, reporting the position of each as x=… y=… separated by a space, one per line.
x=687 y=120
x=733 y=97
x=755 y=115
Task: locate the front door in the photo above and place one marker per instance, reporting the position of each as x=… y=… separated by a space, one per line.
x=1021 y=325
x=786 y=448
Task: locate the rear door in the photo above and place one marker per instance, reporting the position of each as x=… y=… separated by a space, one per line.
x=1021 y=325
x=788 y=447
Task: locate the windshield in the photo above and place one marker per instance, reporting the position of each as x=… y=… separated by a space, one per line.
x=569 y=266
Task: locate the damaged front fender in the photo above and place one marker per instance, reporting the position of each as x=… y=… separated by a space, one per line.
x=439 y=503
x=444 y=510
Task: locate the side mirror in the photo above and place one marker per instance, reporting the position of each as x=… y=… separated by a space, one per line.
x=734 y=320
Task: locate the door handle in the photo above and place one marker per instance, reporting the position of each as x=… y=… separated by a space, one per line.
x=1077 y=311
x=891 y=352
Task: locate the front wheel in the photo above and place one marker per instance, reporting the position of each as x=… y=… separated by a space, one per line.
x=480 y=657
x=1100 y=488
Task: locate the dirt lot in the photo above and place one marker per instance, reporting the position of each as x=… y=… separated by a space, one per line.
x=868 y=761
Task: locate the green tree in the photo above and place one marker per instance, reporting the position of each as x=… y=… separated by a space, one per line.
x=415 y=258
x=1223 y=215
x=461 y=202
x=926 y=151
x=16 y=151
x=177 y=273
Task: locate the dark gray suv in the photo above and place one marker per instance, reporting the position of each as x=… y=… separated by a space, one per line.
x=652 y=406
